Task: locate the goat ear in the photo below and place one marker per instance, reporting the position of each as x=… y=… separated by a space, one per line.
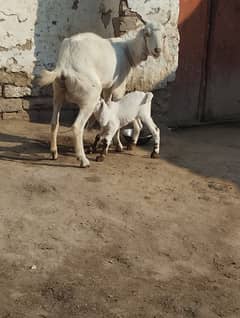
x=102 y=103
x=147 y=31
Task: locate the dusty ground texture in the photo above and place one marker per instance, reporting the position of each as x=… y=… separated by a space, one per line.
x=129 y=237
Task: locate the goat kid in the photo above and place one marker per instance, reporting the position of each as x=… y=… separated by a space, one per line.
x=133 y=107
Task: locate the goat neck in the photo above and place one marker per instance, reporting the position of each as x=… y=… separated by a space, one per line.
x=136 y=49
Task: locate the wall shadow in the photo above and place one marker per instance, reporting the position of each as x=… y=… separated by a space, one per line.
x=208 y=150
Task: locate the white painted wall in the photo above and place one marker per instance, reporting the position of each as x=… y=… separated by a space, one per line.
x=45 y=23
x=32 y=30
x=17 y=19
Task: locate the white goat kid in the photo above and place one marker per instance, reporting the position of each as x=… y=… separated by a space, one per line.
x=133 y=107
x=89 y=65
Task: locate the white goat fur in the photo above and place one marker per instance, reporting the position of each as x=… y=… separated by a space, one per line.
x=89 y=65
x=133 y=107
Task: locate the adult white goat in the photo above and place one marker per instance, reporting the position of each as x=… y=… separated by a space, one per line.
x=89 y=65
x=133 y=107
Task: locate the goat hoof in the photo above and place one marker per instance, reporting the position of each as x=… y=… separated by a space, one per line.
x=119 y=149
x=54 y=155
x=155 y=155
x=100 y=158
x=84 y=163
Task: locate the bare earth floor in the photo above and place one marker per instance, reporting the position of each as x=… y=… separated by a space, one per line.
x=129 y=237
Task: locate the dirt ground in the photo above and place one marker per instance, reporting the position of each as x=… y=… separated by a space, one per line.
x=129 y=237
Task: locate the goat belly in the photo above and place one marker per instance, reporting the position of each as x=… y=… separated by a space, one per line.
x=125 y=120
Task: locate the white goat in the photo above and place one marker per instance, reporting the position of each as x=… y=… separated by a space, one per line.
x=89 y=65
x=133 y=107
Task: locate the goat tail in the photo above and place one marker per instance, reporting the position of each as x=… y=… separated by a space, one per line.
x=47 y=77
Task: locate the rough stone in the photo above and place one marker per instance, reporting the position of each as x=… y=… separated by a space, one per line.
x=10 y=104
x=21 y=115
x=15 y=78
x=16 y=91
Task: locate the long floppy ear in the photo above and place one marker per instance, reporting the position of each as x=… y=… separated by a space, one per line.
x=147 y=31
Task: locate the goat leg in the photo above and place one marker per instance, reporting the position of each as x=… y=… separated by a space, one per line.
x=103 y=152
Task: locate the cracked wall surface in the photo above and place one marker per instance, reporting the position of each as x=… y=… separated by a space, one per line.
x=31 y=32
